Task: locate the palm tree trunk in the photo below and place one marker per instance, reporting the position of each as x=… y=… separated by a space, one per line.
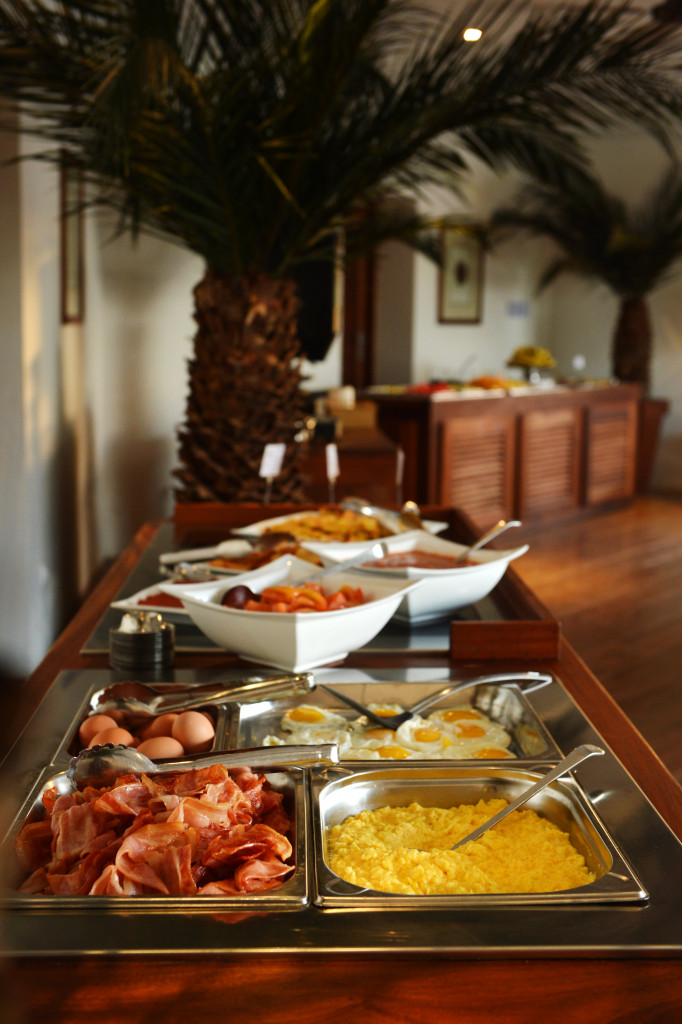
x=631 y=351
x=244 y=390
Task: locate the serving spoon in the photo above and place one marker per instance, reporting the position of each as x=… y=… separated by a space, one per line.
x=393 y=721
x=493 y=532
x=264 y=540
x=577 y=755
x=377 y=550
x=141 y=705
x=103 y=764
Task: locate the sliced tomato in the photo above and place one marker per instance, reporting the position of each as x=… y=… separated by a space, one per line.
x=310 y=597
x=272 y=594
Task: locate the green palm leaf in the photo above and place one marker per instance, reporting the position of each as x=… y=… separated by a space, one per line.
x=250 y=130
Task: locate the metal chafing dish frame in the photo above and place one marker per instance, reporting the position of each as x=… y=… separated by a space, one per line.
x=651 y=927
x=248 y=724
x=293 y=894
x=341 y=794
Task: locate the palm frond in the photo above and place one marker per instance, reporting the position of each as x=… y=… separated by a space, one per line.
x=630 y=249
x=250 y=131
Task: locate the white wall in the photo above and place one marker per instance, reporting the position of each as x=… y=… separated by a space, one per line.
x=139 y=334
x=33 y=448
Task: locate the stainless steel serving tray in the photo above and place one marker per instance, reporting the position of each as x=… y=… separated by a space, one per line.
x=249 y=724
x=70 y=744
x=638 y=928
x=293 y=894
x=340 y=795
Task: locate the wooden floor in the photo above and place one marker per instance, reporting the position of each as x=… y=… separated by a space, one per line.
x=615 y=583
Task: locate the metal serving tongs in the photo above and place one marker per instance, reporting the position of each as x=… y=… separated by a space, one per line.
x=103 y=764
x=146 y=704
x=533 y=679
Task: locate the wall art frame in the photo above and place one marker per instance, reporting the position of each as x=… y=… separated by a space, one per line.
x=460 y=280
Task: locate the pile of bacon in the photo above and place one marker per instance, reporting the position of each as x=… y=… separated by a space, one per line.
x=203 y=832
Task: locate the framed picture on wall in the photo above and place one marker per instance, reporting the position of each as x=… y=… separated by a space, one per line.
x=460 y=285
x=71 y=218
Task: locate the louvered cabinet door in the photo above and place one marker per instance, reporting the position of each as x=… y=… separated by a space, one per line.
x=477 y=466
x=549 y=463
x=611 y=449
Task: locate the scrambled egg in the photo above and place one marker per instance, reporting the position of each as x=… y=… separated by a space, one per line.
x=407 y=850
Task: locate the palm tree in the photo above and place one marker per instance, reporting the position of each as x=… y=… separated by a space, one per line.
x=252 y=132
x=630 y=250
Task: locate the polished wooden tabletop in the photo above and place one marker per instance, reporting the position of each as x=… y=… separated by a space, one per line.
x=382 y=988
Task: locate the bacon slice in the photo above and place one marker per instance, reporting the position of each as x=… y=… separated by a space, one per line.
x=242 y=843
x=33 y=845
x=36 y=882
x=158 y=857
x=128 y=795
x=74 y=829
x=201 y=813
x=256 y=875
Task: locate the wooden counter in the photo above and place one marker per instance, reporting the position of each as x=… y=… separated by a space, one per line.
x=138 y=988
x=539 y=455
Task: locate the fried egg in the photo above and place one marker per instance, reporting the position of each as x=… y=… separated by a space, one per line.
x=307 y=716
x=312 y=737
x=493 y=753
x=359 y=753
x=421 y=735
x=385 y=709
x=460 y=733
x=395 y=752
x=465 y=727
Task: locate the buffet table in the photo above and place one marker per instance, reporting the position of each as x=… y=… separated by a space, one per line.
x=597 y=963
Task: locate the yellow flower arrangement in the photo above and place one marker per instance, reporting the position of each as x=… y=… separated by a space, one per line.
x=532 y=357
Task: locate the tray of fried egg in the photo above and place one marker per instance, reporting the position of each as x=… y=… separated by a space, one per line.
x=485 y=722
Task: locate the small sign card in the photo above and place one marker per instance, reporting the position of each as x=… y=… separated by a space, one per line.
x=271 y=466
x=332 y=454
x=332 y=457
x=399 y=471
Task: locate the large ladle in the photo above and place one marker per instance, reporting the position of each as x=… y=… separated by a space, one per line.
x=577 y=755
x=495 y=531
x=103 y=764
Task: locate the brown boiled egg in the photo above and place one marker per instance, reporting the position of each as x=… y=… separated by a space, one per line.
x=194 y=731
x=161 y=746
x=162 y=725
x=94 y=724
x=113 y=735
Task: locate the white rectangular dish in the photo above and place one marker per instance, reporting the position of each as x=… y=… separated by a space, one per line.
x=295 y=641
x=443 y=591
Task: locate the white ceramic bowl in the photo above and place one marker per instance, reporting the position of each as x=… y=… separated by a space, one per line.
x=443 y=591
x=294 y=641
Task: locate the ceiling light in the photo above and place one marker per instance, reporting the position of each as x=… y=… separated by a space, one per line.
x=472 y=35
